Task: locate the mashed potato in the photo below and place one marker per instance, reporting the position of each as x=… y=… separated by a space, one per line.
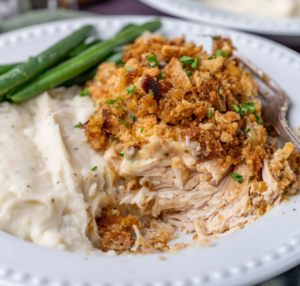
x=49 y=195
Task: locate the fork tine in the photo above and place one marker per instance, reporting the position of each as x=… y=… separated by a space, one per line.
x=259 y=73
x=278 y=103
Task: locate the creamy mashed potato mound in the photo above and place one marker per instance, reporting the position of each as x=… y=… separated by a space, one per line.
x=49 y=195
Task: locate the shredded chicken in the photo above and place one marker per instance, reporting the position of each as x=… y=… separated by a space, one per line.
x=183 y=132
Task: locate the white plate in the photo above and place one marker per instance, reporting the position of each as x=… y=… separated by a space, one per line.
x=267 y=248
x=197 y=11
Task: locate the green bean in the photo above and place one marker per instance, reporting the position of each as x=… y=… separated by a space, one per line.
x=77 y=65
x=6 y=68
x=35 y=65
x=89 y=74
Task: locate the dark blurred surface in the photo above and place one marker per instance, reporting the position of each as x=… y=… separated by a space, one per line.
x=119 y=7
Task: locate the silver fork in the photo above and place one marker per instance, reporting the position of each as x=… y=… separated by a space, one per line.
x=277 y=104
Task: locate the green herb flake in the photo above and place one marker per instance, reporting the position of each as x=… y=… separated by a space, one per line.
x=243 y=110
x=84 y=92
x=132 y=117
x=117 y=107
x=153 y=62
x=258 y=120
x=161 y=75
x=237 y=177
x=121 y=154
x=235 y=108
x=249 y=105
x=186 y=60
x=194 y=65
x=151 y=92
x=210 y=58
x=94 y=169
x=124 y=123
x=112 y=101
x=189 y=73
x=130 y=68
x=254 y=136
x=78 y=125
x=209 y=113
x=247 y=130
x=142 y=130
x=130 y=89
x=220 y=53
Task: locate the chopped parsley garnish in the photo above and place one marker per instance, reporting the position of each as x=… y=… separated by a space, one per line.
x=94 y=169
x=142 y=130
x=132 y=117
x=249 y=105
x=258 y=120
x=85 y=92
x=151 y=92
x=117 y=107
x=78 y=125
x=247 y=130
x=112 y=101
x=153 y=62
x=254 y=136
x=130 y=68
x=209 y=113
x=237 y=177
x=161 y=75
x=186 y=60
x=124 y=123
x=235 y=108
x=189 y=73
x=121 y=154
x=242 y=110
x=220 y=53
x=194 y=65
x=130 y=89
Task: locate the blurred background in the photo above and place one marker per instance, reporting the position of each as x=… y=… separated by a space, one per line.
x=12 y=8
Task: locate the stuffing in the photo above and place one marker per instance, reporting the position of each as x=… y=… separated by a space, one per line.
x=183 y=132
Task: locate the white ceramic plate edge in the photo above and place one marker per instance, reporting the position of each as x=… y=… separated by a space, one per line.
x=201 y=12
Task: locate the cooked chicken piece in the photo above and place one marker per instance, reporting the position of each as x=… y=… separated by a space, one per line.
x=183 y=132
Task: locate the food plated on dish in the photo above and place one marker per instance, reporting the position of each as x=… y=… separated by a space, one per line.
x=166 y=138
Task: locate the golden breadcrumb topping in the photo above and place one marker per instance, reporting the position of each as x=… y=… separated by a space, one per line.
x=183 y=131
x=173 y=89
